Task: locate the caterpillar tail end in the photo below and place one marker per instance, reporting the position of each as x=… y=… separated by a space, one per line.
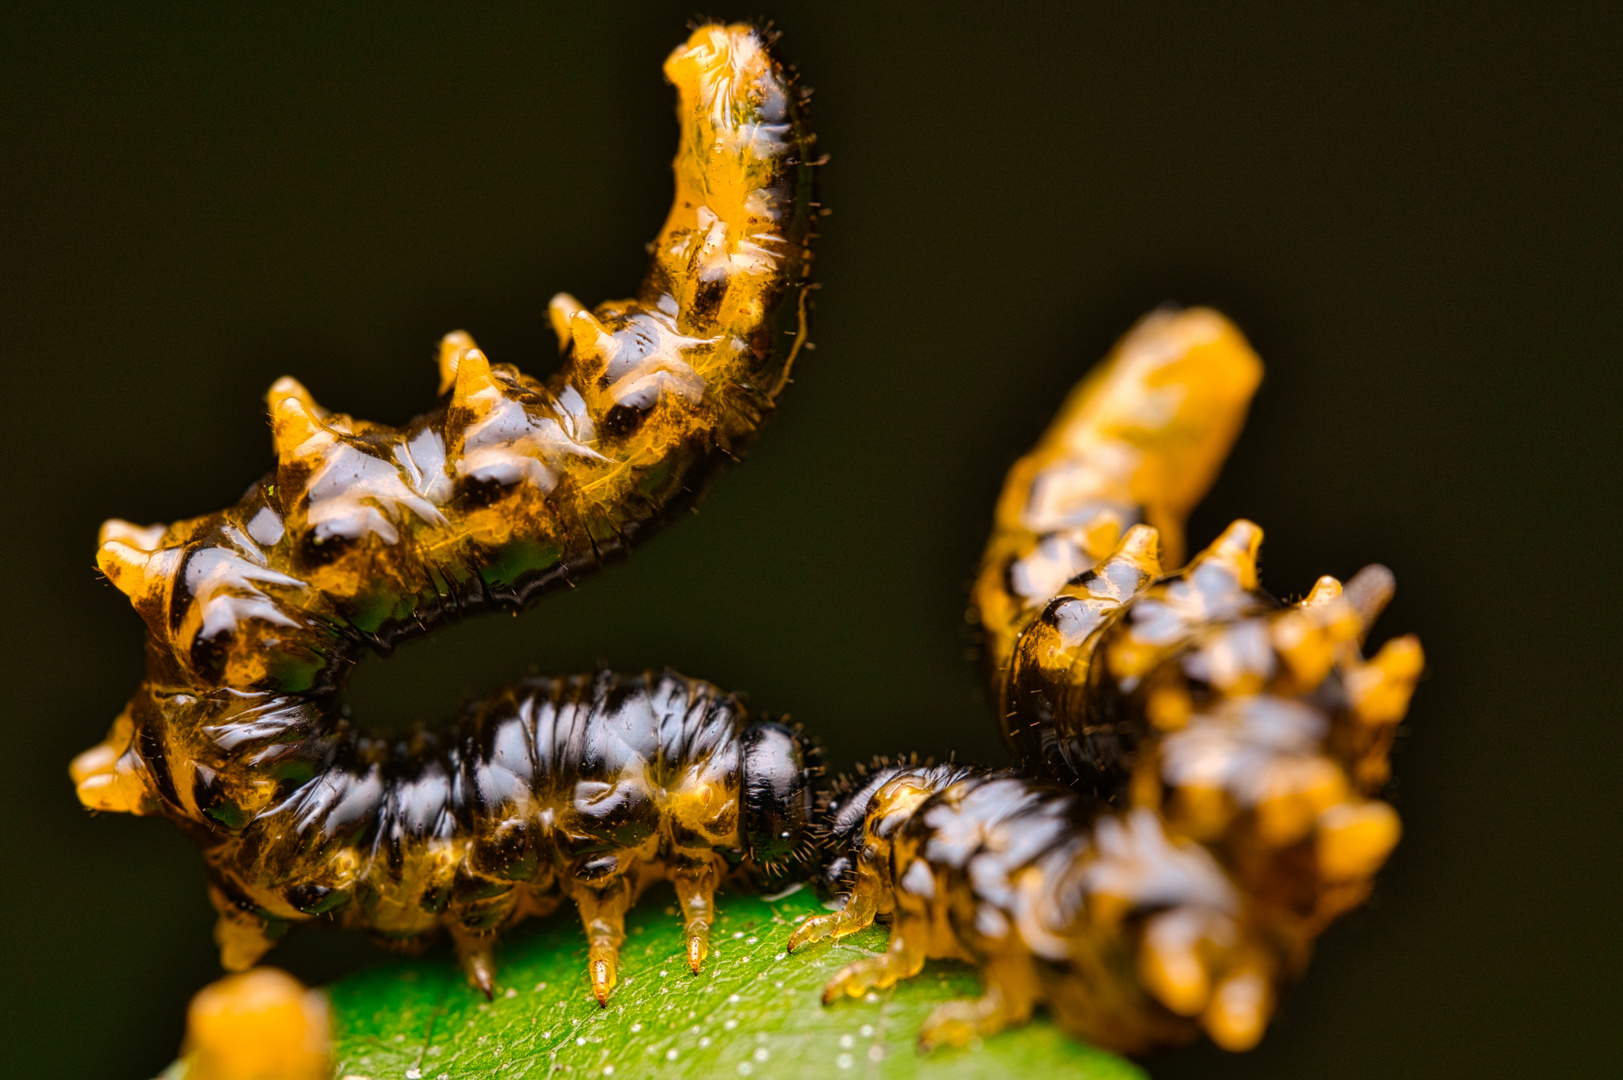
x=1140 y=438
x=733 y=240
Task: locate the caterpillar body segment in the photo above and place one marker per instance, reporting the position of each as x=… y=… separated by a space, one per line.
x=1197 y=707
x=365 y=535
x=1258 y=728
x=1139 y=440
x=589 y=788
x=1183 y=905
x=1129 y=935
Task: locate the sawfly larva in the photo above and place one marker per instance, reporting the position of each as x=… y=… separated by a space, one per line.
x=366 y=535
x=1092 y=655
x=1202 y=761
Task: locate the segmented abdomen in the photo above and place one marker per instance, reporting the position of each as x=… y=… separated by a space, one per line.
x=578 y=781
x=1057 y=902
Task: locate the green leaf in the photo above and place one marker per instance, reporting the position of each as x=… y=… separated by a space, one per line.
x=752 y=1011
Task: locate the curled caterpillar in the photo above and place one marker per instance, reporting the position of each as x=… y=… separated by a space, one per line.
x=1092 y=655
x=1140 y=439
x=1202 y=760
x=366 y=535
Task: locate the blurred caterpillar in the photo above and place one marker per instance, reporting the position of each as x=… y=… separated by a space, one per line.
x=258 y=1025
x=366 y=535
x=1201 y=759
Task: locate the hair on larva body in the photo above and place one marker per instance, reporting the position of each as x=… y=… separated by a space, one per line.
x=366 y=535
x=1201 y=762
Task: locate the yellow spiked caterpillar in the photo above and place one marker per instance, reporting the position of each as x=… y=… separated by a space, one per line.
x=365 y=535
x=1202 y=763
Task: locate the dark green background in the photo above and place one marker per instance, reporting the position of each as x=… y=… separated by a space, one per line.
x=1413 y=215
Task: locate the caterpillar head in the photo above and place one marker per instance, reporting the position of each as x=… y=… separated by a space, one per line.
x=780 y=770
x=860 y=816
x=841 y=815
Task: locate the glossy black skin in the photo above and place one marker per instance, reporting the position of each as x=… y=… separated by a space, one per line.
x=552 y=779
x=840 y=835
x=1000 y=802
x=779 y=796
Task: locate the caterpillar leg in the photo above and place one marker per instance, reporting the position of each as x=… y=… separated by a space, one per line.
x=477 y=952
x=696 y=893
x=603 y=913
x=1010 y=996
x=903 y=959
x=861 y=906
x=243 y=937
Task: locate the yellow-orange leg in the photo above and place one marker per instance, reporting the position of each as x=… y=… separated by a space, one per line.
x=1008 y=1000
x=696 y=892
x=242 y=936
x=478 y=955
x=859 y=911
x=902 y=960
x=603 y=913
x=857 y=914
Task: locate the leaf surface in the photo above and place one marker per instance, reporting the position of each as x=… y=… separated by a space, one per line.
x=752 y=1011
